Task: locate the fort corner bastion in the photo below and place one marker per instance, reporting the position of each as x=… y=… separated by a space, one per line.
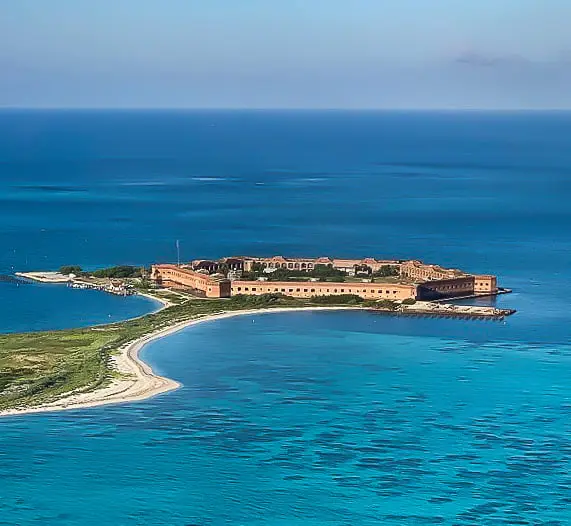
x=368 y=278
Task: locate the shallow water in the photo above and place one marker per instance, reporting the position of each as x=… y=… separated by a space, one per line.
x=312 y=418
x=299 y=418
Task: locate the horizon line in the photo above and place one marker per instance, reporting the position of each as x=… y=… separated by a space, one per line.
x=281 y=109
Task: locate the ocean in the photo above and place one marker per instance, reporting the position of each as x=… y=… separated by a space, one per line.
x=299 y=418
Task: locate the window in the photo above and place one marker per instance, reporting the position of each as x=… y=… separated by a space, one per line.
x=290 y=290
x=246 y=288
x=239 y=289
x=253 y=289
x=342 y=290
x=283 y=290
x=312 y=290
x=298 y=290
x=304 y=290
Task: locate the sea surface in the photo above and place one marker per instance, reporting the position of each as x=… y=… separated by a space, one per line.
x=299 y=418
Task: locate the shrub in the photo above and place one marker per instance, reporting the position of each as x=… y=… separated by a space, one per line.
x=340 y=299
x=123 y=271
x=386 y=271
x=409 y=301
x=71 y=269
x=244 y=300
x=387 y=304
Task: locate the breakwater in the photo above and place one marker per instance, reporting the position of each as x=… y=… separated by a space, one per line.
x=116 y=287
x=447 y=310
x=119 y=290
x=6 y=278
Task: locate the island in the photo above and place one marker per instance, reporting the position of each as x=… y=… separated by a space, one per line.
x=56 y=370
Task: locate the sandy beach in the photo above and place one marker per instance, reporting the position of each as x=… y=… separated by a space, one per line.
x=137 y=380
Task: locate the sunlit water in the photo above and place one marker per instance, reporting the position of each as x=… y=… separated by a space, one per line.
x=303 y=418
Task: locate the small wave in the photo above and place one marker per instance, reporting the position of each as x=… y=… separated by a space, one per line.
x=209 y=179
x=52 y=188
x=7 y=278
x=144 y=183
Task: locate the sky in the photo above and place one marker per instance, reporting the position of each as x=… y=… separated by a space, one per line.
x=389 y=54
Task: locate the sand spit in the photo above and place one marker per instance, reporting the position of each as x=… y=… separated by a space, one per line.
x=137 y=380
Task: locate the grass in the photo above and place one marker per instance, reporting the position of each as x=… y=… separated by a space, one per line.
x=40 y=367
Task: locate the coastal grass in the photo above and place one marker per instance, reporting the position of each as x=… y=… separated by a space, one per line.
x=41 y=367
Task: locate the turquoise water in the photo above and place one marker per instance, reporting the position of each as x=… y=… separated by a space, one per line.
x=300 y=418
x=321 y=418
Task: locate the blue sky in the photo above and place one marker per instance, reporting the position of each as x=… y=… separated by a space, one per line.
x=286 y=53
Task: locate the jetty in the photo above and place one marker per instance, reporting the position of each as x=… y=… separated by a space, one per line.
x=448 y=310
x=111 y=286
x=119 y=289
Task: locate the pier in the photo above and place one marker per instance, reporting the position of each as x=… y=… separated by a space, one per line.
x=447 y=310
x=118 y=289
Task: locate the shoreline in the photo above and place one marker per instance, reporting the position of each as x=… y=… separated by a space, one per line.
x=139 y=382
x=163 y=301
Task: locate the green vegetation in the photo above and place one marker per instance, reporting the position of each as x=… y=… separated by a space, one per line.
x=387 y=304
x=320 y=272
x=340 y=299
x=71 y=269
x=257 y=267
x=387 y=271
x=409 y=301
x=263 y=301
x=120 y=272
x=40 y=367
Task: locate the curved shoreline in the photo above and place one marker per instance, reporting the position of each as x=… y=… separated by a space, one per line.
x=138 y=381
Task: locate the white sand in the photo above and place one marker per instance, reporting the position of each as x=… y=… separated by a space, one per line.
x=137 y=381
x=44 y=277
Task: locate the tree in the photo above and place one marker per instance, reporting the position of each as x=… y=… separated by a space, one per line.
x=386 y=270
x=257 y=267
x=71 y=269
x=122 y=271
x=387 y=304
x=326 y=271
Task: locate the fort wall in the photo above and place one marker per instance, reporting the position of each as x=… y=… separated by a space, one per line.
x=176 y=277
x=446 y=288
x=485 y=284
x=307 y=289
x=420 y=281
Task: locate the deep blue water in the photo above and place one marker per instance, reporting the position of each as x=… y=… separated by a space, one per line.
x=30 y=306
x=324 y=418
